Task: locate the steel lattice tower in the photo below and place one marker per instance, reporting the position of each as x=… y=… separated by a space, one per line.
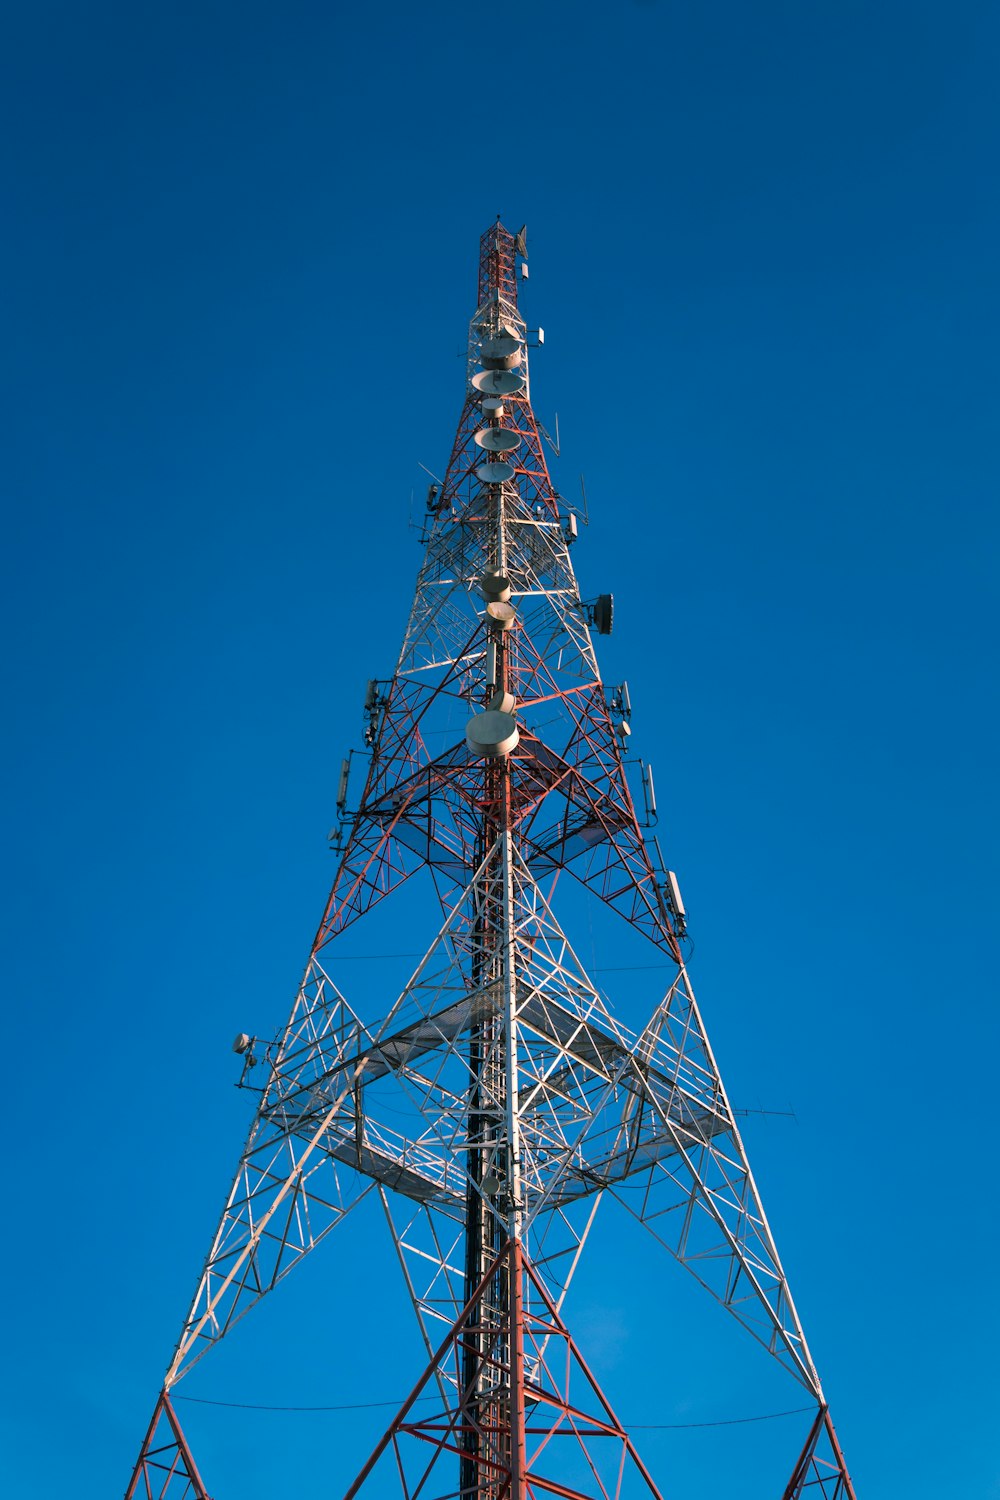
x=499 y=1099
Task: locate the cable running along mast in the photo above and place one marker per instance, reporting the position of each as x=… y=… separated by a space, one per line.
x=499 y=1099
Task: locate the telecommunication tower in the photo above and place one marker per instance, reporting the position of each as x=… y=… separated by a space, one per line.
x=499 y=1099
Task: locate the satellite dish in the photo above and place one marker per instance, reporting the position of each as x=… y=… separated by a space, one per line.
x=495 y=473
x=521 y=242
x=495 y=585
x=493 y=409
x=492 y=734
x=604 y=609
x=242 y=1042
x=497 y=439
x=502 y=352
x=498 y=382
x=500 y=614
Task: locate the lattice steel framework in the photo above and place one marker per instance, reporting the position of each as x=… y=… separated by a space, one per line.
x=516 y=1099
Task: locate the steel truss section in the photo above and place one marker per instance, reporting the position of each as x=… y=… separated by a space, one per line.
x=165 y=1465
x=498 y=1101
x=287 y=1195
x=524 y=1414
x=820 y=1473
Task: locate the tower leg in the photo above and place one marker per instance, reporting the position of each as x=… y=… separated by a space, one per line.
x=165 y=1466
x=518 y=1440
x=820 y=1473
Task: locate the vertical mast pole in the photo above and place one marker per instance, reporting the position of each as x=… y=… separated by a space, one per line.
x=510 y=1266
x=494 y=1417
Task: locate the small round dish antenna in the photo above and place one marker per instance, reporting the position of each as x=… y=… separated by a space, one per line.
x=498 y=382
x=501 y=614
x=604 y=613
x=497 y=439
x=502 y=352
x=492 y=734
x=495 y=585
x=495 y=473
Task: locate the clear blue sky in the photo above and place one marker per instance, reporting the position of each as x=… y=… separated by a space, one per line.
x=237 y=265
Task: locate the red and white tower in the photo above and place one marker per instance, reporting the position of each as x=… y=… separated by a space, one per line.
x=499 y=1099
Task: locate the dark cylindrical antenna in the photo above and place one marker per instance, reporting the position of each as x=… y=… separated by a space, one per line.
x=345 y=771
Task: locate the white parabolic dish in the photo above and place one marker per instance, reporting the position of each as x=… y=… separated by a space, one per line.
x=497 y=439
x=498 y=382
x=492 y=733
x=495 y=473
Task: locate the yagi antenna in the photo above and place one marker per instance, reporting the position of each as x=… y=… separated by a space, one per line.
x=553 y=445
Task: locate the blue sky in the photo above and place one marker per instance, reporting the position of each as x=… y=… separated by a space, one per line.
x=238 y=266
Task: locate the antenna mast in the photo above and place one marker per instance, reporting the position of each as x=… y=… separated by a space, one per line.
x=500 y=1098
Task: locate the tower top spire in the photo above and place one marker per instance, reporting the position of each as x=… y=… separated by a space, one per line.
x=498 y=251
